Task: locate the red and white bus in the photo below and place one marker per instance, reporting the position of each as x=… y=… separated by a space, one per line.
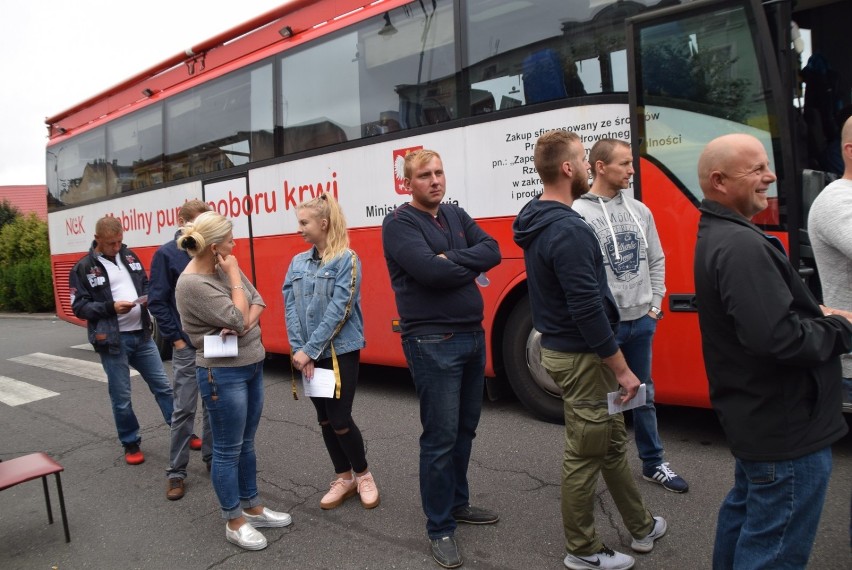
x=327 y=96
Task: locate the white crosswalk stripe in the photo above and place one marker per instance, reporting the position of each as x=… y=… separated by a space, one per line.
x=14 y=392
x=73 y=366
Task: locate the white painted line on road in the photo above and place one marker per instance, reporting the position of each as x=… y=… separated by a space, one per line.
x=86 y=346
x=73 y=366
x=14 y=392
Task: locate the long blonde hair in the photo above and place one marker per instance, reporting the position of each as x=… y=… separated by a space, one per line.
x=325 y=207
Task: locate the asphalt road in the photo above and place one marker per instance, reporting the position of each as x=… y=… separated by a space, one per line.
x=120 y=518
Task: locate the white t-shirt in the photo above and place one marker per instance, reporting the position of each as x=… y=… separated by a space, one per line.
x=122 y=288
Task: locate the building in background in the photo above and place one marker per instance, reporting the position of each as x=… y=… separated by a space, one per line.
x=26 y=199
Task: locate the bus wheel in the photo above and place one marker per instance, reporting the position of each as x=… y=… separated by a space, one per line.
x=521 y=358
x=163 y=346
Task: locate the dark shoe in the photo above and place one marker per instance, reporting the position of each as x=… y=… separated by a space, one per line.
x=175 y=490
x=209 y=465
x=194 y=442
x=663 y=475
x=474 y=515
x=445 y=551
x=133 y=455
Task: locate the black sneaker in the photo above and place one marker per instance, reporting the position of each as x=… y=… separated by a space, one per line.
x=663 y=475
x=474 y=515
x=445 y=551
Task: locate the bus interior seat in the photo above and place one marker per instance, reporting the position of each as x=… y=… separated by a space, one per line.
x=543 y=77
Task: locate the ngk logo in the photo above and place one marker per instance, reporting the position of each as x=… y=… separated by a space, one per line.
x=74 y=226
x=399 y=168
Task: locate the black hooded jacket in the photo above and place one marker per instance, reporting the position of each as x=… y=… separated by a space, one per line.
x=572 y=306
x=771 y=356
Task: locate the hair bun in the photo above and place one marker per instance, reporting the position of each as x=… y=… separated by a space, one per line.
x=189 y=242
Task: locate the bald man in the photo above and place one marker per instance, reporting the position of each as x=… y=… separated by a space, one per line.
x=830 y=229
x=772 y=358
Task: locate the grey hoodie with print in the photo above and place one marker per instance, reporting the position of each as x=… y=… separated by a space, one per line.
x=636 y=268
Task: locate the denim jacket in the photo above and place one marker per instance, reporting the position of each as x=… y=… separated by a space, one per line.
x=315 y=300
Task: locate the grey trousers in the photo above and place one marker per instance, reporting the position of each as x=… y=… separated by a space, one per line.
x=185 y=389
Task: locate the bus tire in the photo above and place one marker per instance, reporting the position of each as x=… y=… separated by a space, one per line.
x=531 y=383
x=164 y=347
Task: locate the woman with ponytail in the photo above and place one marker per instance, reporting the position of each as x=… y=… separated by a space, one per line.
x=322 y=299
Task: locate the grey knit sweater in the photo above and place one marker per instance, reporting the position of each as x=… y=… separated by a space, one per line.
x=205 y=307
x=830 y=230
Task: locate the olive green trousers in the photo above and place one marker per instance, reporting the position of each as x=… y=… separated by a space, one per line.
x=595 y=442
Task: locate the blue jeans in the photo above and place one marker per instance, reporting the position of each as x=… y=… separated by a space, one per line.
x=185 y=388
x=635 y=339
x=142 y=354
x=449 y=375
x=847 y=398
x=770 y=518
x=234 y=416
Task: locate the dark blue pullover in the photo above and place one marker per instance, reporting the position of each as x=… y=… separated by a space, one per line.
x=436 y=295
x=166 y=266
x=572 y=306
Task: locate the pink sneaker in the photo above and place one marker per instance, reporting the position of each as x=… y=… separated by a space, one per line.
x=368 y=491
x=341 y=489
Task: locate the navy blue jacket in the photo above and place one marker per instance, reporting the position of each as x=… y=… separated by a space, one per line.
x=166 y=266
x=91 y=298
x=572 y=306
x=436 y=295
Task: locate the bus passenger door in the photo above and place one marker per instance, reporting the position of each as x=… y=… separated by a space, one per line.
x=230 y=197
x=696 y=72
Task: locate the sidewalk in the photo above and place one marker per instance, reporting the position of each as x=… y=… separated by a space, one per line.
x=32 y=316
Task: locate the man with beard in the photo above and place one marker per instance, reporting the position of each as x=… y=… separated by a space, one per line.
x=574 y=310
x=636 y=267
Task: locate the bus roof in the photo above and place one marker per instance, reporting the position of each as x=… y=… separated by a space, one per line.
x=258 y=33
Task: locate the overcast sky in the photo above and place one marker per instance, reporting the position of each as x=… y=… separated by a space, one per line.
x=57 y=53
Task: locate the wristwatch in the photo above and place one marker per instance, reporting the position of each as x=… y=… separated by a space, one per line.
x=658 y=312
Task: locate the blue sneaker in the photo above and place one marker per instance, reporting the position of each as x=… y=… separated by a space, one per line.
x=663 y=475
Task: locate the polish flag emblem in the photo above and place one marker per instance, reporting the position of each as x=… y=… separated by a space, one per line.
x=399 y=168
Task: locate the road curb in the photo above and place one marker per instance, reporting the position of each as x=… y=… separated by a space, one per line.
x=31 y=316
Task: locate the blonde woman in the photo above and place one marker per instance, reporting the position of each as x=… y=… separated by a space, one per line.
x=322 y=298
x=215 y=299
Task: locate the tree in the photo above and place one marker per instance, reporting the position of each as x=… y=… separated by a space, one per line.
x=8 y=213
x=25 y=274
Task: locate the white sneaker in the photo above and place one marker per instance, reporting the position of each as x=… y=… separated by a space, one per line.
x=605 y=559
x=647 y=544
